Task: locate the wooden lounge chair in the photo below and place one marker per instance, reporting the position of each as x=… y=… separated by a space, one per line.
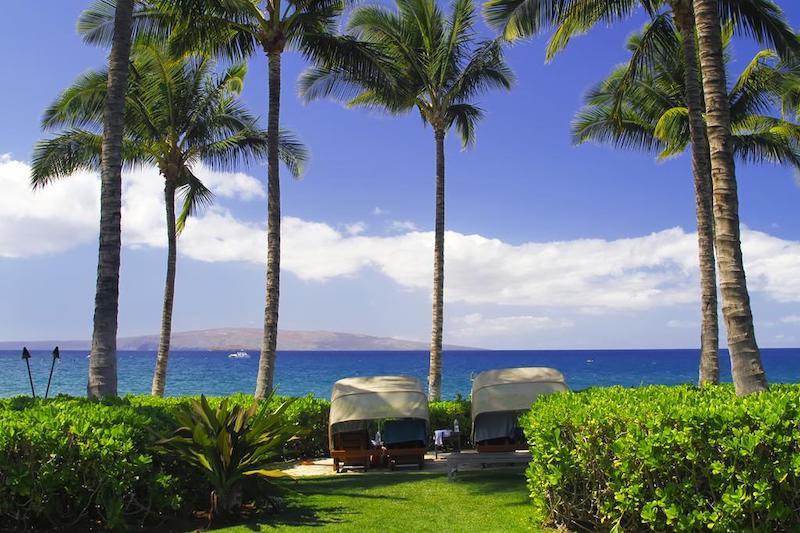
x=357 y=402
x=405 y=442
x=500 y=396
x=352 y=448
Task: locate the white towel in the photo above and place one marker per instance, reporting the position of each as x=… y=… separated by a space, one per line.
x=439 y=435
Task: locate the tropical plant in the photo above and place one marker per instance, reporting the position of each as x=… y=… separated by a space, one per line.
x=433 y=62
x=650 y=113
x=230 y=443
x=178 y=113
x=238 y=29
x=665 y=458
x=102 y=379
x=748 y=371
x=761 y=19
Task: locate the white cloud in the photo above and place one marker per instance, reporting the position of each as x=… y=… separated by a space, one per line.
x=401 y=226
x=231 y=184
x=680 y=324
x=379 y=212
x=476 y=325
x=356 y=228
x=591 y=276
x=791 y=319
x=52 y=219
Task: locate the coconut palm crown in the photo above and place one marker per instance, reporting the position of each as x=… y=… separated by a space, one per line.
x=516 y=19
x=431 y=61
x=650 y=112
x=179 y=112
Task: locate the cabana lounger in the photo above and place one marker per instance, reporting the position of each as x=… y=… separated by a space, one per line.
x=500 y=396
x=399 y=400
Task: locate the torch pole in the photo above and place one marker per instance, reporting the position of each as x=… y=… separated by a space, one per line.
x=56 y=355
x=27 y=355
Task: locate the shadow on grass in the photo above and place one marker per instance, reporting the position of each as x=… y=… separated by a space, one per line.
x=338 y=500
x=511 y=483
x=305 y=508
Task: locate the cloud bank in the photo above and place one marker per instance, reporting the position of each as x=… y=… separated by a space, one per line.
x=589 y=275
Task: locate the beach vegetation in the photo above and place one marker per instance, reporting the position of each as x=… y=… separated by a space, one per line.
x=433 y=62
x=708 y=112
x=86 y=463
x=661 y=458
x=229 y=443
x=643 y=106
x=180 y=112
x=237 y=30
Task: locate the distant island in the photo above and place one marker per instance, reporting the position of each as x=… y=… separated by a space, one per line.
x=243 y=338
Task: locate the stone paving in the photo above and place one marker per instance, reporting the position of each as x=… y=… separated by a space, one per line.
x=324 y=467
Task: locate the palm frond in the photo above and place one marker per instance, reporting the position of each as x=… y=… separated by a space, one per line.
x=63 y=155
x=464 y=117
x=80 y=105
x=194 y=195
x=764 y=21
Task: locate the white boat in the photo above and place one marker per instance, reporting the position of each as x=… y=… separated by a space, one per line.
x=241 y=354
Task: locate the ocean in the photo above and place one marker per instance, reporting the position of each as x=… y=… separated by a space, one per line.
x=301 y=373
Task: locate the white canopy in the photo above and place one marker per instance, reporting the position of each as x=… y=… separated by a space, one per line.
x=513 y=389
x=377 y=397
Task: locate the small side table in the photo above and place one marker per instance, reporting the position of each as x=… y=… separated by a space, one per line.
x=451 y=437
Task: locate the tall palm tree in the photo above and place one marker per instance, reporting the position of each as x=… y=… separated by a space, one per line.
x=238 y=29
x=178 y=113
x=746 y=367
x=438 y=67
x=102 y=379
x=649 y=112
x=761 y=19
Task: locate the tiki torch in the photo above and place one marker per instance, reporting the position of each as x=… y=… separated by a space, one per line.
x=27 y=355
x=56 y=355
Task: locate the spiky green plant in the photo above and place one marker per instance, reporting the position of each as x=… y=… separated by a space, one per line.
x=230 y=443
x=178 y=112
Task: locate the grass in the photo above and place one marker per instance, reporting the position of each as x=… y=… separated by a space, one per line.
x=479 y=501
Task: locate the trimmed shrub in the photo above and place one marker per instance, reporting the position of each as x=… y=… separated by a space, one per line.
x=75 y=463
x=67 y=461
x=666 y=458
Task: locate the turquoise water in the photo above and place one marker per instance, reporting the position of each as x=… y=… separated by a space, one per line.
x=300 y=373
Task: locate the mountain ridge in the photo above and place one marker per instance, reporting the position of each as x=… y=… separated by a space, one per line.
x=246 y=339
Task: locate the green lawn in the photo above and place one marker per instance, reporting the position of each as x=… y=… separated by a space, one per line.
x=477 y=501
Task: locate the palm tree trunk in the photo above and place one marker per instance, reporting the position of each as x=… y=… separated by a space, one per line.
x=269 y=341
x=701 y=167
x=748 y=372
x=435 y=369
x=160 y=374
x=103 y=358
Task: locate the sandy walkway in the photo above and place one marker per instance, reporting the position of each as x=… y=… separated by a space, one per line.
x=324 y=467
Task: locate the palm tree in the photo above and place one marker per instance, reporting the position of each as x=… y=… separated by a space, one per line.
x=762 y=19
x=179 y=113
x=439 y=67
x=649 y=112
x=746 y=367
x=103 y=357
x=237 y=29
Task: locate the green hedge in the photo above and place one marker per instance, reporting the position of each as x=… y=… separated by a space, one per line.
x=71 y=463
x=68 y=461
x=666 y=458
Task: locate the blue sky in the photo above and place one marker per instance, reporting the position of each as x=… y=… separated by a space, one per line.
x=553 y=245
